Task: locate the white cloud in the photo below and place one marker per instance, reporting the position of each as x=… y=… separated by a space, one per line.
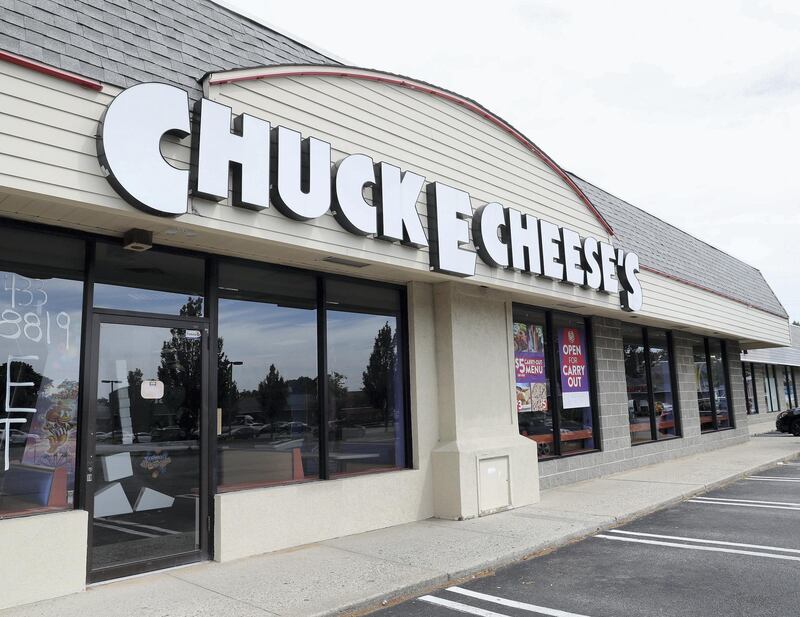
x=688 y=110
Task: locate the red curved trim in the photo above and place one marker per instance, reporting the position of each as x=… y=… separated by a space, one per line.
x=453 y=98
x=712 y=291
x=84 y=82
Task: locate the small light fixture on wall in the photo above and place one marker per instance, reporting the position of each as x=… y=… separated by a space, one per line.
x=137 y=240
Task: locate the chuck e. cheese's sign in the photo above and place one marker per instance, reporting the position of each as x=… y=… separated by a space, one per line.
x=274 y=166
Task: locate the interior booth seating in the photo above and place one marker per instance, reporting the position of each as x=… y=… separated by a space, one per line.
x=31 y=488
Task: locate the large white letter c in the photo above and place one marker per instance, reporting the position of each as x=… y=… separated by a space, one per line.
x=129 y=147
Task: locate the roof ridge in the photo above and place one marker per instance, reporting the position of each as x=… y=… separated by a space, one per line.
x=262 y=23
x=658 y=218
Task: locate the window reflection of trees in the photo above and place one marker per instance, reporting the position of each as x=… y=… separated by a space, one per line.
x=279 y=413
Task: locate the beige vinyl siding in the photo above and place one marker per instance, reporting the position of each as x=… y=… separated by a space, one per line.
x=427 y=151
x=49 y=172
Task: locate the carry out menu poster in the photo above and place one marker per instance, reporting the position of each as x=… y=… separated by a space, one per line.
x=573 y=368
x=529 y=367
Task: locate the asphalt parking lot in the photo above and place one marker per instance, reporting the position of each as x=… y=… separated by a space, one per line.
x=732 y=551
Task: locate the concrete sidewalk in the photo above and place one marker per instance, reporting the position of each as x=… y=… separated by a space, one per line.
x=761 y=423
x=358 y=572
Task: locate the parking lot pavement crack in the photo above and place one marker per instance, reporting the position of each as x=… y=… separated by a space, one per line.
x=396 y=562
x=584 y=519
x=224 y=595
x=696 y=484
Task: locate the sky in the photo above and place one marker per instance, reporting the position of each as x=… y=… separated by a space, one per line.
x=689 y=110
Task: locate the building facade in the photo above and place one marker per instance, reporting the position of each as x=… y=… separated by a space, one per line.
x=254 y=298
x=771 y=377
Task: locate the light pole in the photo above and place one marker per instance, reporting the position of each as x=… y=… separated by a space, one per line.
x=111 y=381
x=231 y=364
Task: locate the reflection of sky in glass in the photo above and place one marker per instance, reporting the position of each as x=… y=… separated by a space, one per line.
x=260 y=334
x=58 y=300
x=351 y=338
x=134 y=299
x=124 y=348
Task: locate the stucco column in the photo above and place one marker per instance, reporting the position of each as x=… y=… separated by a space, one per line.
x=481 y=463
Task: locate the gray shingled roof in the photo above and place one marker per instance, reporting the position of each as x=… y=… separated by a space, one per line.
x=669 y=250
x=125 y=42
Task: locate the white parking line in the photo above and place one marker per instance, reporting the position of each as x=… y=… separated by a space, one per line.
x=742 y=505
x=133 y=532
x=773 y=478
x=769 y=503
x=719 y=542
x=695 y=547
x=141 y=525
x=533 y=608
x=461 y=608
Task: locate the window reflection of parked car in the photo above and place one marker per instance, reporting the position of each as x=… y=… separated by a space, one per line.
x=293 y=428
x=343 y=429
x=17 y=437
x=242 y=431
x=789 y=421
x=535 y=423
x=167 y=433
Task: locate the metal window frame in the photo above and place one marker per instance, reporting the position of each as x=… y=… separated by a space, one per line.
x=551 y=361
x=726 y=374
x=651 y=395
x=723 y=348
x=788 y=386
x=323 y=411
x=772 y=380
x=210 y=328
x=651 y=409
x=748 y=371
x=676 y=398
x=648 y=382
x=746 y=395
x=321 y=280
x=768 y=390
x=712 y=395
x=85 y=473
x=755 y=385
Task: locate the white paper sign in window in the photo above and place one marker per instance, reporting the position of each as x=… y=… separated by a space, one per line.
x=152 y=389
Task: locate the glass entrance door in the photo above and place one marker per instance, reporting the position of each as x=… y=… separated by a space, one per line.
x=144 y=470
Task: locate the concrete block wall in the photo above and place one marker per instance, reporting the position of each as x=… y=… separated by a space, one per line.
x=617 y=454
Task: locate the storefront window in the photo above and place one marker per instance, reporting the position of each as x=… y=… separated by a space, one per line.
x=559 y=353
x=271 y=426
x=665 y=407
x=267 y=392
x=771 y=388
x=648 y=371
x=151 y=281
x=720 y=381
x=749 y=388
x=639 y=416
x=788 y=388
x=533 y=395
x=41 y=301
x=576 y=422
x=365 y=413
x=636 y=382
x=713 y=398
